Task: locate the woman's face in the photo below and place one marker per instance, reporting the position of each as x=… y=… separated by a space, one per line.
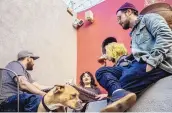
x=86 y=79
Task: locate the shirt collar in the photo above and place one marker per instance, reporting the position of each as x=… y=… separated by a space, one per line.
x=136 y=23
x=22 y=65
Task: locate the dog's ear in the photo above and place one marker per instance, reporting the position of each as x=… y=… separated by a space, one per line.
x=59 y=88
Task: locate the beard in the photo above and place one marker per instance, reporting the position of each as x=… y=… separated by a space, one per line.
x=29 y=66
x=126 y=25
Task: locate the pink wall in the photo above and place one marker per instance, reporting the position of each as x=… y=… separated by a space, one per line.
x=90 y=36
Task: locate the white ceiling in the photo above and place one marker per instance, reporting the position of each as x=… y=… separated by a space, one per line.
x=80 y=5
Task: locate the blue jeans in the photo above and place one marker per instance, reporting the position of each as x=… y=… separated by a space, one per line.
x=133 y=77
x=28 y=103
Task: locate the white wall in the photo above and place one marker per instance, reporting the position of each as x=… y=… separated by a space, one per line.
x=45 y=28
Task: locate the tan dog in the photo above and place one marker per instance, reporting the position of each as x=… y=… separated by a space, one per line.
x=63 y=95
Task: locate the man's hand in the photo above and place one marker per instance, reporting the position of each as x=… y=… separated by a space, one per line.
x=101 y=96
x=102 y=60
x=148 y=68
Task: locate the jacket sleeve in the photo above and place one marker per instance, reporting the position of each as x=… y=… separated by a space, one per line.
x=160 y=30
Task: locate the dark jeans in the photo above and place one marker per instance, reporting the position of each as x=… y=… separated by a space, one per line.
x=28 y=103
x=133 y=77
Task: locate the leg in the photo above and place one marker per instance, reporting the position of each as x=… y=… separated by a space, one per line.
x=10 y=105
x=121 y=100
x=28 y=103
x=134 y=79
x=32 y=102
x=139 y=78
x=108 y=78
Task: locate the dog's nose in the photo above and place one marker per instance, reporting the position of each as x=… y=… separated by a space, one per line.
x=80 y=101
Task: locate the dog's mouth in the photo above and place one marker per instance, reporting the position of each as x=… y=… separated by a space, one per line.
x=78 y=107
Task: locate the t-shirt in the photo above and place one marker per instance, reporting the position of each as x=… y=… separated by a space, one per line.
x=94 y=90
x=9 y=85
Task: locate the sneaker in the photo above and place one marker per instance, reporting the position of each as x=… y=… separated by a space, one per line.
x=120 y=101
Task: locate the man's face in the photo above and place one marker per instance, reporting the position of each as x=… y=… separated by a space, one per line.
x=30 y=64
x=123 y=19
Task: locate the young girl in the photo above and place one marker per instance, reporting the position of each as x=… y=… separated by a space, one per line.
x=87 y=81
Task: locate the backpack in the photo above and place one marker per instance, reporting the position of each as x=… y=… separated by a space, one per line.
x=163 y=9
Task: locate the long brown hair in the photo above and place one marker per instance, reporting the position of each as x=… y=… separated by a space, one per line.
x=93 y=84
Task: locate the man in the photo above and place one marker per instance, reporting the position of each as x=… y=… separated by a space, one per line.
x=30 y=91
x=152 y=52
x=107 y=41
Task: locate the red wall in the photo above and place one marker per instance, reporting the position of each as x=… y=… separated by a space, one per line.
x=90 y=36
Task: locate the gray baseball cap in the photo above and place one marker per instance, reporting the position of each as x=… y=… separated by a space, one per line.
x=23 y=54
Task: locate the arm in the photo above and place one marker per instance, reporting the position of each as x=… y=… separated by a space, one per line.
x=159 y=29
x=101 y=96
x=41 y=87
x=23 y=81
x=25 y=85
x=98 y=90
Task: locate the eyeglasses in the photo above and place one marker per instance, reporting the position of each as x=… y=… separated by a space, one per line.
x=119 y=17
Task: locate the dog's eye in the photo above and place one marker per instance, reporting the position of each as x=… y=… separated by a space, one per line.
x=73 y=96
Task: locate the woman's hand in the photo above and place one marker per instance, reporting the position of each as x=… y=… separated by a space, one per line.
x=101 y=96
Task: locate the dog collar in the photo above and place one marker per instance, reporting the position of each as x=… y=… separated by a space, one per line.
x=43 y=103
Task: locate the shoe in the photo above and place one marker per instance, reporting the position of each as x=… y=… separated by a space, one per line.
x=120 y=101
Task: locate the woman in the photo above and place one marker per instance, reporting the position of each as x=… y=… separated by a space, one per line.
x=87 y=81
x=115 y=52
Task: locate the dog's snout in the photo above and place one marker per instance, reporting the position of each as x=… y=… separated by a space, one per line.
x=79 y=101
x=79 y=104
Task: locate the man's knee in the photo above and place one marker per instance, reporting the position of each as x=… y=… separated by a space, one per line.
x=100 y=71
x=33 y=102
x=36 y=99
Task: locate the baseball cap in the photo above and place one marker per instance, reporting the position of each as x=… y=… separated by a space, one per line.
x=23 y=54
x=127 y=5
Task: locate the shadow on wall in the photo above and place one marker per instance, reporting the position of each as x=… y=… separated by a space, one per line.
x=39 y=26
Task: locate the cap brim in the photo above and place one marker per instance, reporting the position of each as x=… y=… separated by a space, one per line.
x=126 y=8
x=35 y=57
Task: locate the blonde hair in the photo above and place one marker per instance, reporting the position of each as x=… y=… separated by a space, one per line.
x=115 y=50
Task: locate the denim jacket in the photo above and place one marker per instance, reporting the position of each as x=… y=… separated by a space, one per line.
x=152 y=41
